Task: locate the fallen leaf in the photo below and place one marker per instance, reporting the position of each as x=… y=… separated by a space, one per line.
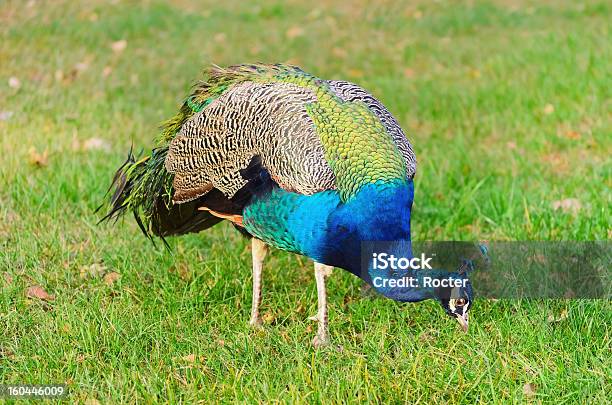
x=119 y=46
x=6 y=353
x=5 y=115
x=14 y=83
x=93 y=17
x=37 y=158
x=81 y=66
x=37 y=291
x=559 y=162
x=80 y=358
x=475 y=73
x=219 y=37
x=572 y=135
x=96 y=144
x=189 y=358
x=8 y=278
x=107 y=71
x=511 y=145
x=548 y=109
x=221 y=342
x=59 y=75
x=572 y=205
x=110 y=278
x=529 y=389
x=38 y=77
x=92 y=401
x=408 y=73
x=417 y=15
x=294 y=32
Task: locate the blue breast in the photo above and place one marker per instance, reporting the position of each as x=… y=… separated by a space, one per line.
x=328 y=230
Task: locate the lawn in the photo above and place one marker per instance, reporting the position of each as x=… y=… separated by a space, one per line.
x=507 y=104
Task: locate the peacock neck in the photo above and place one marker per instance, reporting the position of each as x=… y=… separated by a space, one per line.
x=379 y=212
x=407 y=285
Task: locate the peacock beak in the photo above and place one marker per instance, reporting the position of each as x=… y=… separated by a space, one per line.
x=463 y=321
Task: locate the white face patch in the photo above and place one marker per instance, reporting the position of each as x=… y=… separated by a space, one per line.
x=452 y=305
x=465 y=309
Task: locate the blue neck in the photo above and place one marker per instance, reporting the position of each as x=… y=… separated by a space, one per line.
x=378 y=212
x=407 y=285
x=334 y=232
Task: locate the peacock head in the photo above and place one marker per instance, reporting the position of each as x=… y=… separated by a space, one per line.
x=457 y=301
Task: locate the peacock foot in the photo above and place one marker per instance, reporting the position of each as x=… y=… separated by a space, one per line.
x=320 y=341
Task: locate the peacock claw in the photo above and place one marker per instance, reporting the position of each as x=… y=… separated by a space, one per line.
x=320 y=341
x=256 y=323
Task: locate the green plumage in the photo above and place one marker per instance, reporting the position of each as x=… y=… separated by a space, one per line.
x=355 y=144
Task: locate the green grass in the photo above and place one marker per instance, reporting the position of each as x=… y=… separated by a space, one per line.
x=507 y=105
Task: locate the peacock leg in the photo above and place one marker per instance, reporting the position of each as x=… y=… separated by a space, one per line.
x=321 y=272
x=259 y=251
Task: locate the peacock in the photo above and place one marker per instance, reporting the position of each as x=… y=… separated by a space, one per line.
x=310 y=166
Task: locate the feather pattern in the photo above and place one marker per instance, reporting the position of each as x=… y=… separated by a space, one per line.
x=351 y=92
x=312 y=135
x=308 y=135
x=265 y=119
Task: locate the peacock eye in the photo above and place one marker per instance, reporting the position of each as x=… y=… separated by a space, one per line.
x=460 y=302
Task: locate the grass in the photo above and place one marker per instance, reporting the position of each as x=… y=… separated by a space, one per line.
x=507 y=105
